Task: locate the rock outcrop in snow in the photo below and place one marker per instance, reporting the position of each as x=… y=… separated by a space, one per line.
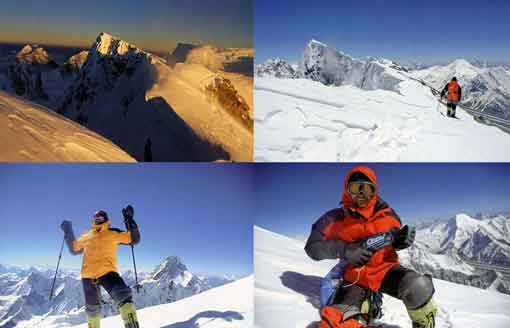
x=276 y=67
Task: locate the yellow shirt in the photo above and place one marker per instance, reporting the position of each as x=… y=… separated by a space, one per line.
x=99 y=247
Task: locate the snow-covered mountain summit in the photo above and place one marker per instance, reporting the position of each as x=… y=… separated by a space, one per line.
x=330 y=66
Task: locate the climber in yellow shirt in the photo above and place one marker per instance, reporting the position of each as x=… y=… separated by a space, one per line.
x=99 y=266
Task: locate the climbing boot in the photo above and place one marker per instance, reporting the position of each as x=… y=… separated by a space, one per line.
x=425 y=316
x=128 y=315
x=94 y=321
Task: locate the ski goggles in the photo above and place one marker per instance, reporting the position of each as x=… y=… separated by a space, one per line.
x=361 y=187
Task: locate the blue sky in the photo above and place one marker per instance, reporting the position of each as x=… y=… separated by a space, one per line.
x=200 y=212
x=150 y=24
x=289 y=198
x=403 y=30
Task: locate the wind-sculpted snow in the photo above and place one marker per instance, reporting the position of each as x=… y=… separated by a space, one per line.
x=24 y=293
x=34 y=133
x=287 y=292
x=304 y=120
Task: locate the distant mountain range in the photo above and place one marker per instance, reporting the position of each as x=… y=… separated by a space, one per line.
x=24 y=293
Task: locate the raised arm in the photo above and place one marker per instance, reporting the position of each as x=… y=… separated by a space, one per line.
x=74 y=245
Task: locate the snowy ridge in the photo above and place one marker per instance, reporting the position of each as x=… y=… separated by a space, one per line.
x=287 y=292
x=35 y=133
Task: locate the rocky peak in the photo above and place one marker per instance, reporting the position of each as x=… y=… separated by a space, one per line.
x=170 y=268
x=30 y=55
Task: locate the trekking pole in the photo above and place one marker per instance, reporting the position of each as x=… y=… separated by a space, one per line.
x=134 y=266
x=128 y=227
x=56 y=270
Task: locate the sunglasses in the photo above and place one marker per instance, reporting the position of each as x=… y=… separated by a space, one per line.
x=361 y=187
x=99 y=218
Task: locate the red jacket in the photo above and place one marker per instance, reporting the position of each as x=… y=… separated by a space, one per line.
x=347 y=224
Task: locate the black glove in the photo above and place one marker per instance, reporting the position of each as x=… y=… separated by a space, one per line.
x=128 y=214
x=67 y=227
x=356 y=255
x=404 y=237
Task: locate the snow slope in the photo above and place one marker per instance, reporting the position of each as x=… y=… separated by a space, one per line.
x=34 y=133
x=352 y=110
x=228 y=306
x=287 y=292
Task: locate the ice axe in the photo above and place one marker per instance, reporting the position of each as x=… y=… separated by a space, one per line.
x=129 y=212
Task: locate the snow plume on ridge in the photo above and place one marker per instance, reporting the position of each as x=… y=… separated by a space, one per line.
x=287 y=292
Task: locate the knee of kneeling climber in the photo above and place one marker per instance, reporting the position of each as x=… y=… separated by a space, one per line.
x=416 y=290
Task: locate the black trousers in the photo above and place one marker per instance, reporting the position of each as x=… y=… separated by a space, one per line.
x=350 y=299
x=451 y=106
x=114 y=286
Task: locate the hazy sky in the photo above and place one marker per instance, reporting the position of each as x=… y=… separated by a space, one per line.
x=149 y=24
x=294 y=196
x=427 y=31
x=200 y=212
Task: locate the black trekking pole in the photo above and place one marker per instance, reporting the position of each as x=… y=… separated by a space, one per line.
x=134 y=266
x=56 y=270
x=128 y=227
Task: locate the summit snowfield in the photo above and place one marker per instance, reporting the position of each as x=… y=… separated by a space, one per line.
x=333 y=107
x=287 y=292
x=228 y=306
x=31 y=132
